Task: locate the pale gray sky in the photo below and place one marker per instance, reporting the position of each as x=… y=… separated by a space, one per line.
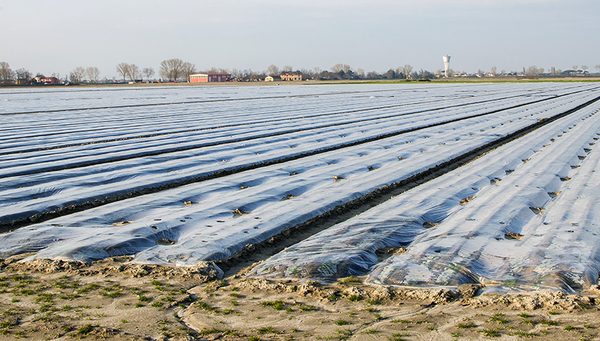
x=58 y=35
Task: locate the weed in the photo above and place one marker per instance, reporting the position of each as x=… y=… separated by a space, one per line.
x=491 y=332
x=27 y=292
x=522 y=333
x=156 y=304
x=499 y=317
x=234 y=295
x=373 y=301
x=343 y=334
x=111 y=294
x=569 y=327
x=371 y=310
x=254 y=338
x=353 y=298
x=85 y=330
x=341 y=322
x=349 y=279
x=465 y=325
x=378 y=317
x=207 y=307
x=553 y=312
x=277 y=305
x=139 y=305
x=549 y=323
x=266 y=330
x=156 y=283
x=308 y=308
x=371 y=331
x=143 y=298
x=524 y=315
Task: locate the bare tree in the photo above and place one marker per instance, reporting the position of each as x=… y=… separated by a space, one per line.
x=532 y=70
x=23 y=75
x=407 y=70
x=123 y=70
x=92 y=73
x=171 y=69
x=7 y=75
x=273 y=70
x=336 y=68
x=188 y=69
x=360 y=73
x=148 y=72
x=133 y=72
x=584 y=68
x=236 y=73
x=494 y=70
x=597 y=67
x=287 y=68
x=575 y=67
x=77 y=75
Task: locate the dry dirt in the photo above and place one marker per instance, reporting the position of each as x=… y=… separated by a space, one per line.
x=114 y=300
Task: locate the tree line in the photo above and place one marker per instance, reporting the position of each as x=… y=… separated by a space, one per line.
x=172 y=70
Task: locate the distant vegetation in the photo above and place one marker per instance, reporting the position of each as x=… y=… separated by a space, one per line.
x=176 y=70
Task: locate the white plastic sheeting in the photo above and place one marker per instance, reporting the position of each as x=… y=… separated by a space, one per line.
x=80 y=185
x=554 y=243
x=214 y=218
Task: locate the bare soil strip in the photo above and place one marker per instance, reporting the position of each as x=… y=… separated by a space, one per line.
x=115 y=300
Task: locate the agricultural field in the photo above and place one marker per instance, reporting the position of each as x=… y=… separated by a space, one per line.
x=178 y=176
x=432 y=186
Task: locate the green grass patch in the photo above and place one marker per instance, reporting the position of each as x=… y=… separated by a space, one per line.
x=266 y=330
x=277 y=305
x=353 y=298
x=341 y=322
x=499 y=317
x=491 y=332
x=308 y=308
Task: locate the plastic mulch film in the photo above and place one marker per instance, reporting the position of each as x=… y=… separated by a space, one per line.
x=495 y=210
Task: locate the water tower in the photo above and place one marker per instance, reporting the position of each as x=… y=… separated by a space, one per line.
x=446 y=65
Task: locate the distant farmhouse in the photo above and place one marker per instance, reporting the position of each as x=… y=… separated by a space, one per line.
x=269 y=79
x=210 y=77
x=291 y=77
x=41 y=79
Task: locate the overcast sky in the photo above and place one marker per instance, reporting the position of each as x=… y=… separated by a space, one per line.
x=55 y=36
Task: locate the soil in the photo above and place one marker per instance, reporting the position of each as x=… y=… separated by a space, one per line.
x=115 y=300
